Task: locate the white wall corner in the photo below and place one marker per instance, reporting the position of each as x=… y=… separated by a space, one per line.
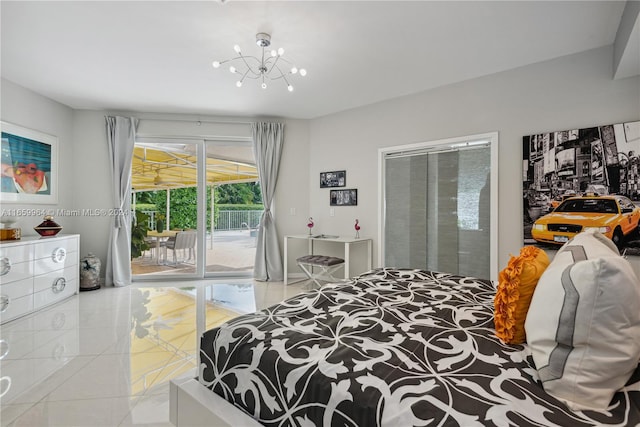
x=626 y=48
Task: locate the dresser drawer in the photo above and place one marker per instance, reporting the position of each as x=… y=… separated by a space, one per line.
x=47 y=265
x=16 y=254
x=54 y=293
x=51 y=249
x=16 y=307
x=14 y=271
x=17 y=289
x=46 y=281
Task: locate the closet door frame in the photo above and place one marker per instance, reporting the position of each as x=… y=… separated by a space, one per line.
x=437 y=145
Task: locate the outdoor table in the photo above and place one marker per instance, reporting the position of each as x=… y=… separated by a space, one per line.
x=159 y=236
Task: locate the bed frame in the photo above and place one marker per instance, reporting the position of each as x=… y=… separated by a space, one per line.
x=191 y=404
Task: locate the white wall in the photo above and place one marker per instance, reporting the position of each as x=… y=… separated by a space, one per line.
x=20 y=106
x=93 y=182
x=575 y=91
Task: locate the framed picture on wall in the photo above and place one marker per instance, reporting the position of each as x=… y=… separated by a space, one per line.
x=29 y=166
x=333 y=179
x=343 y=197
x=577 y=178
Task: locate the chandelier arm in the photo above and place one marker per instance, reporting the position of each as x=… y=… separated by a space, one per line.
x=282 y=59
x=229 y=60
x=247 y=64
x=244 y=58
x=285 y=80
x=274 y=65
x=254 y=76
x=244 y=75
x=281 y=76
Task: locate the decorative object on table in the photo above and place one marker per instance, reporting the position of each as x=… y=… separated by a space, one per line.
x=48 y=227
x=333 y=179
x=160 y=223
x=357 y=227
x=266 y=67
x=29 y=166
x=310 y=225
x=343 y=197
x=90 y=273
x=7 y=230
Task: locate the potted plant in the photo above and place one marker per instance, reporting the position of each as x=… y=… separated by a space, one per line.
x=138 y=235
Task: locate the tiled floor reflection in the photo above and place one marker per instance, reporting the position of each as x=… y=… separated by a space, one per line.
x=105 y=357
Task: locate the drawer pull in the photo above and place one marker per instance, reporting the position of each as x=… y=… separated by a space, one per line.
x=59 y=255
x=4 y=303
x=5 y=266
x=58 y=285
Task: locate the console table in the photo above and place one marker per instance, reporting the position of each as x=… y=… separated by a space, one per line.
x=347 y=242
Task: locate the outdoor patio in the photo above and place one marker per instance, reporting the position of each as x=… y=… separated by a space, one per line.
x=231 y=251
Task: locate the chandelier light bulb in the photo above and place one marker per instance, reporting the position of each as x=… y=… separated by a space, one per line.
x=216 y=64
x=236 y=48
x=264 y=85
x=239 y=83
x=290 y=88
x=294 y=70
x=274 y=53
x=232 y=69
x=303 y=72
x=280 y=51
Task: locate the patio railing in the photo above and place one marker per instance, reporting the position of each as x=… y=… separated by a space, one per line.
x=238 y=220
x=227 y=220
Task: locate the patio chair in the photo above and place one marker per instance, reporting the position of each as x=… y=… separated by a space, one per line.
x=151 y=242
x=184 y=241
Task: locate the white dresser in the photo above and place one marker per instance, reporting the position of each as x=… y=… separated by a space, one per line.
x=36 y=272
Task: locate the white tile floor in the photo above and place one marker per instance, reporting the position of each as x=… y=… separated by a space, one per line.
x=105 y=357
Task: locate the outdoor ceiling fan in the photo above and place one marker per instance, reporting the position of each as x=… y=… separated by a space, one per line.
x=159 y=180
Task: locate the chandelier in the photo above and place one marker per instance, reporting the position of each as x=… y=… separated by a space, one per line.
x=270 y=66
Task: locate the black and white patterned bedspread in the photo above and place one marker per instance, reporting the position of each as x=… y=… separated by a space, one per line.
x=391 y=348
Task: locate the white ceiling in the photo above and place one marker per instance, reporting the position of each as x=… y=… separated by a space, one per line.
x=156 y=56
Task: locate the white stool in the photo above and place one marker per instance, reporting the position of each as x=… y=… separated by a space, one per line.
x=327 y=264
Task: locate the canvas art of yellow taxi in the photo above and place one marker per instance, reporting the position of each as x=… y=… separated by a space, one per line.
x=614 y=216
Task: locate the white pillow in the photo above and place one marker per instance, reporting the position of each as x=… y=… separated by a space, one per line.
x=583 y=324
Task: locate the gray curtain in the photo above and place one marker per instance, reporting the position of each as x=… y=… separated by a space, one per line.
x=267 y=148
x=121 y=133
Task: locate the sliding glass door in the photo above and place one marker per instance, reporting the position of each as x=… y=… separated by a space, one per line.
x=195 y=218
x=165 y=193
x=234 y=207
x=436 y=206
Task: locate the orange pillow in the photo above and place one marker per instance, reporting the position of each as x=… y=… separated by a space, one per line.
x=516 y=284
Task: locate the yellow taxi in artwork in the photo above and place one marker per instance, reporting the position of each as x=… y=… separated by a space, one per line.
x=614 y=216
x=561 y=198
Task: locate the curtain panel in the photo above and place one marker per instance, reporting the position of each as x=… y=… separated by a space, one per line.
x=268 y=139
x=121 y=135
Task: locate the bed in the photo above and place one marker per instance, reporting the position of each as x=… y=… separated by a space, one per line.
x=391 y=347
